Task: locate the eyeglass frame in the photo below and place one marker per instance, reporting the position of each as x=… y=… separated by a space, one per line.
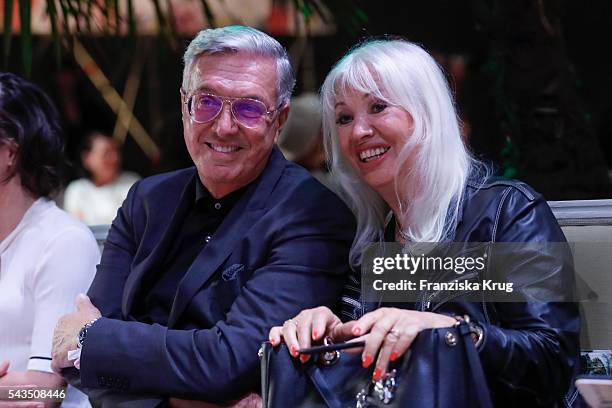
x=229 y=99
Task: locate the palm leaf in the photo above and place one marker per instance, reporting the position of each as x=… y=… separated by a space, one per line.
x=117 y=17
x=317 y=9
x=346 y=13
x=171 y=20
x=210 y=17
x=89 y=15
x=131 y=20
x=7 y=34
x=106 y=11
x=160 y=16
x=65 y=16
x=26 y=36
x=79 y=13
x=72 y=11
x=52 y=11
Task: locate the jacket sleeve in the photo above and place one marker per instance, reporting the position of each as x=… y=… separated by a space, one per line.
x=106 y=293
x=531 y=348
x=106 y=290
x=109 y=398
x=305 y=268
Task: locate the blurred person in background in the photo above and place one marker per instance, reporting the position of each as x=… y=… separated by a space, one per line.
x=96 y=198
x=46 y=256
x=301 y=141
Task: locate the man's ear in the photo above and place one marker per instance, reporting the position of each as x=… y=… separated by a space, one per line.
x=282 y=119
x=182 y=101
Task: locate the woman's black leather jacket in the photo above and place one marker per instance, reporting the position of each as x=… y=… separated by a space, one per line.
x=530 y=348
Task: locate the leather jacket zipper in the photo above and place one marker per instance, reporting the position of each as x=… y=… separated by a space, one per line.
x=426 y=301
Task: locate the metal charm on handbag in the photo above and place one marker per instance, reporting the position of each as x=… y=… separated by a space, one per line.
x=383 y=389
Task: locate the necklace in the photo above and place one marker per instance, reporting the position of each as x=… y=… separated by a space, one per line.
x=400 y=231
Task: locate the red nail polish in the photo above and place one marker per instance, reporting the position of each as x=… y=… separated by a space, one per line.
x=377 y=373
x=356 y=331
x=273 y=342
x=304 y=358
x=393 y=356
x=315 y=335
x=366 y=361
x=294 y=351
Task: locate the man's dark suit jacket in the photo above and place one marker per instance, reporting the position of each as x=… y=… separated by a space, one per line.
x=282 y=248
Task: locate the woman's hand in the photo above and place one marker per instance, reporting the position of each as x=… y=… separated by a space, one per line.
x=390 y=332
x=310 y=325
x=4 y=366
x=28 y=379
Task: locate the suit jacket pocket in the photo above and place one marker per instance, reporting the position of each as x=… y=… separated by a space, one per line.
x=232 y=271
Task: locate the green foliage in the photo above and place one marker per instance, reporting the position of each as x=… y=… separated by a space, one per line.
x=79 y=14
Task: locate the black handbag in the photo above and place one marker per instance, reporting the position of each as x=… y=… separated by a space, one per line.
x=442 y=369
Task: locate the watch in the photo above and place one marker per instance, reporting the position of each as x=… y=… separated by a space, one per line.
x=83 y=332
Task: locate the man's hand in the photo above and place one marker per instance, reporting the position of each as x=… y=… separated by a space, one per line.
x=67 y=330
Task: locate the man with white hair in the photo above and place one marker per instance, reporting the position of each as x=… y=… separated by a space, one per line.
x=201 y=262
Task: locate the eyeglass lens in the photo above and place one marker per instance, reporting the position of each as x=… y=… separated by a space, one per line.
x=246 y=111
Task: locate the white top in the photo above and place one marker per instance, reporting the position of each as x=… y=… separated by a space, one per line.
x=97 y=205
x=45 y=262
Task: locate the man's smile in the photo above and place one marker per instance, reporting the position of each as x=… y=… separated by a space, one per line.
x=223 y=148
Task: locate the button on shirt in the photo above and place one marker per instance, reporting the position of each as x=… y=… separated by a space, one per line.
x=198 y=227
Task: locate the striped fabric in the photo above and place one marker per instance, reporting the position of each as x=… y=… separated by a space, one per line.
x=352 y=307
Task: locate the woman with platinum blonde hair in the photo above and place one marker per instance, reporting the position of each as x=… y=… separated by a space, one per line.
x=393 y=142
x=431 y=166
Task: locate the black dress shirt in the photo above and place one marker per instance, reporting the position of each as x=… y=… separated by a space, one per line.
x=197 y=229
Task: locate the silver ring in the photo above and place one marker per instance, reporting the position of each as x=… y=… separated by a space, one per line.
x=292 y=321
x=394 y=333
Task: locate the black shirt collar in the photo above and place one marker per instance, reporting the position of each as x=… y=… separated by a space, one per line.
x=205 y=201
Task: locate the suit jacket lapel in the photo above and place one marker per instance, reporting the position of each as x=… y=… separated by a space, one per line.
x=239 y=220
x=156 y=258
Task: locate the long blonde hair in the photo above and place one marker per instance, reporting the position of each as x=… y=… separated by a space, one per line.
x=402 y=74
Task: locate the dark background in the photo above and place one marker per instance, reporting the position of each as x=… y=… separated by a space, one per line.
x=537 y=105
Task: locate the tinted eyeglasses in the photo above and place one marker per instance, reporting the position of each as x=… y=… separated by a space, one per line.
x=204 y=107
